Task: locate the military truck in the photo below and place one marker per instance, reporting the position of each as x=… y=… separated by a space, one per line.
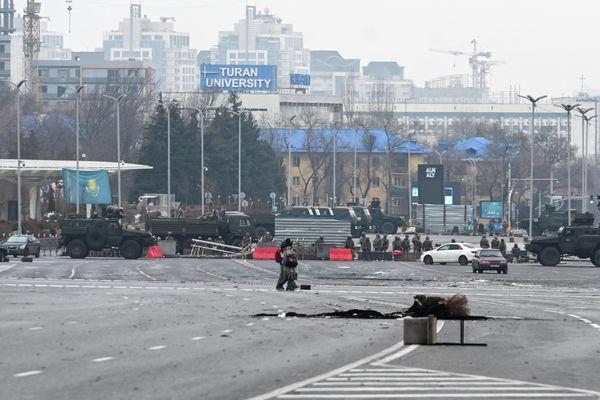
x=263 y=221
x=550 y=220
x=580 y=239
x=384 y=223
x=364 y=217
x=230 y=225
x=80 y=235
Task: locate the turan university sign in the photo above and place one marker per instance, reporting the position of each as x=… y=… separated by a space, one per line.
x=239 y=78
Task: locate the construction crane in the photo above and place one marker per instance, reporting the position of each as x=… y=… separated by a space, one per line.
x=31 y=42
x=479 y=60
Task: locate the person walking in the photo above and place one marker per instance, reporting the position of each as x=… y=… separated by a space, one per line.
x=502 y=247
x=516 y=252
x=288 y=262
x=495 y=242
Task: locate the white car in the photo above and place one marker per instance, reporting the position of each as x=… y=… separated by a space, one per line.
x=461 y=253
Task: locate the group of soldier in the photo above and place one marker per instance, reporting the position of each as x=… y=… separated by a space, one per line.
x=495 y=243
x=382 y=244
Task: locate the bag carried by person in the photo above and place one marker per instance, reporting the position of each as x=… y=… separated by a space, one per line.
x=278 y=256
x=289 y=257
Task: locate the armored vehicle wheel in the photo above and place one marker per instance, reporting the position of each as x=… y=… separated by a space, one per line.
x=389 y=228
x=77 y=249
x=462 y=260
x=428 y=260
x=130 y=249
x=596 y=258
x=549 y=256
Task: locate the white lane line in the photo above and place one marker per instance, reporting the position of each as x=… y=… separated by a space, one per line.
x=211 y=274
x=28 y=373
x=9 y=266
x=585 y=320
x=250 y=324
x=431 y=395
x=143 y=273
x=102 y=359
x=198 y=338
x=247 y=264
x=36 y=328
x=156 y=348
x=72 y=272
x=227 y=331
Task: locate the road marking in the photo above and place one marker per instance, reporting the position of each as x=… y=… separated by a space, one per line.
x=250 y=324
x=36 y=328
x=7 y=268
x=156 y=348
x=227 y=331
x=248 y=264
x=585 y=320
x=28 y=373
x=102 y=359
x=143 y=273
x=198 y=338
x=211 y=274
x=72 y=272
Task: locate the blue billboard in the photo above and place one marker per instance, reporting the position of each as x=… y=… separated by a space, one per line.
x=238 y=78
x=490 y=209
x=300 y=79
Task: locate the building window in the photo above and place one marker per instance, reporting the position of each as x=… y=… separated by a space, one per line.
x=375 y=181
x=296 y=162
x=296 y=181
x=60 y=91
x=296 y=200
x=397 y=181
x=44 y=89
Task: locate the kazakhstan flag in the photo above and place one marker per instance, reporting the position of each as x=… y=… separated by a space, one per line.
x=94 y=187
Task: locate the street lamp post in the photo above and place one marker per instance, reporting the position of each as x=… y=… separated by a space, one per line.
x=585 y=150
x=77 y=105
x=202 y=115
x=19 y=216
x=289 y=186
x=117 y=101
x=334 y=201
x=533 y=101
x=355 y=175
x=568 y=108
x=584 y=122
x=169 y=105
x=473 y=161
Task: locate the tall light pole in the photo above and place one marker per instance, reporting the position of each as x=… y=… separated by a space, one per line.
x=568 y=108
x=409 y=177
x=169 y=105
x=334 y=201
x=202 y=114
x=289 y=144
x=473 y=161
x=533 y=101
x=77 y=106
x=355 y=175
x=585 y=120
x=117 y=101
x=19 y=216
x=582 y=111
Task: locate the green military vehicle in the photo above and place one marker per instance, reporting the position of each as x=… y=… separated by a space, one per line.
x=550 y=220
x=263 y=221
x=230 y=225
x=580 y=239
x=80 y=235
x=382 y=223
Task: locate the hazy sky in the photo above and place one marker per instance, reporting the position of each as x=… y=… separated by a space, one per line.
x=546 y=44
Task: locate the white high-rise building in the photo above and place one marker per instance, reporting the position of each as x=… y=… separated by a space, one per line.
x=140 y=39
x=263 y=39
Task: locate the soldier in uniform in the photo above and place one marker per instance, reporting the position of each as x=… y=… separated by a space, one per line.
x=362 y=239
x=366 y=245
x=377 y=243
x=483 y=243
x=405 y=244
x=516 y=252
x=247 y=240
x=397 y=243
x=416 y=244
x=267 y=238
x=427 y=245
x=385 y=243
x=502 y=247
x=495 y=242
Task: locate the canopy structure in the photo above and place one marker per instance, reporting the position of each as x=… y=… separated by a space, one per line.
x=53 y=168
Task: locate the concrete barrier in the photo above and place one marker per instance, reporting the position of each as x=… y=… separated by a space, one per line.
x=420 y=330
x=168 y=247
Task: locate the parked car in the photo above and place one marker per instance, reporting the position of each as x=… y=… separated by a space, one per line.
x=461 y=253
x=22 y=245
x=489 y=259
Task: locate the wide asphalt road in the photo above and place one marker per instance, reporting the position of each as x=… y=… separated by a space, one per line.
x=108 y=328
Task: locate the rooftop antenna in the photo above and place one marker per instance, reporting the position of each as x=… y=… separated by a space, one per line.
x=69 y=9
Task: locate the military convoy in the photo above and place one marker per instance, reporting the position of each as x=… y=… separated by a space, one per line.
x=80 y=235
x=580 y=239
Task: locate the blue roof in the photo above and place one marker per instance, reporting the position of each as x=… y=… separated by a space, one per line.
x=373 y=140
x=473 y=147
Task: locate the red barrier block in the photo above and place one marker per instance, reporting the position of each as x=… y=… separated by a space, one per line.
x=340 y=254
x=399 y=253
x=264 y=253
x=154 y=252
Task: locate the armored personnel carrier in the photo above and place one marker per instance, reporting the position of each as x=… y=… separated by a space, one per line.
x=580 y=239
x=551 y=220
x=80 y=235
